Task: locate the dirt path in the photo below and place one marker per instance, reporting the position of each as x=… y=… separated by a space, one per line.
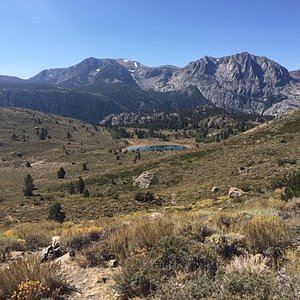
x=90 y=283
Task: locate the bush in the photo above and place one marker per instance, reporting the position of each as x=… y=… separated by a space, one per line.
x=29 y=186
x=246 y=285
x=97 y=254
x=141 y=233
x=56 y=213
x=20 y=271
x=292 y=187
x=61 y=173
x=199 y=287
x=263 y=233
x=148 y=197
x=178 y=253
x=86 y=193
x=138 y=278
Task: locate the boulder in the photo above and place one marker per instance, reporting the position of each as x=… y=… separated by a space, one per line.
x=144 y=180
x=215 y=189
x=235 y=192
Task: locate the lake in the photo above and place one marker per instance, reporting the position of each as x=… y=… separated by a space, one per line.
x=161 y=148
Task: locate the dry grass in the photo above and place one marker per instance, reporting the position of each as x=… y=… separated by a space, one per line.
x=262 y=233
x=249 y=263
x=29 y=268
x=138 y=234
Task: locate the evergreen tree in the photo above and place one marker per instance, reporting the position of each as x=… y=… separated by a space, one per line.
x=84 y=167
x=56 y=213
x=61 y=173
x=72 y=188
x=80 y=185
x=43 y=134
x=29 y=186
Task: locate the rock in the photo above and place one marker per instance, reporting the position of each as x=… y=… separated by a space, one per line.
x=113 y=263
x=155 y=215
x=235 y=192
x=144 y=180
x=64 y=258
x=215 y=189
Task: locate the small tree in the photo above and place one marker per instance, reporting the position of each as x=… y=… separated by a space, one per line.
x=86 y=193
x=80 y=185
x=56 y=213
x=43 y=134
x=138 y=154
x=72 y=188
x=61 y=173
x=29 y=186
x=84 y=167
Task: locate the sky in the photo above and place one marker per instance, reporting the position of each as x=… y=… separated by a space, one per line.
x=42 y=34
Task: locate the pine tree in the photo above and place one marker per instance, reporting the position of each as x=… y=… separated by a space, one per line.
x=80 y=185
x=29 y=186
x=72 y=188
x=84 y=167
x=61 y=173
x=56 y=213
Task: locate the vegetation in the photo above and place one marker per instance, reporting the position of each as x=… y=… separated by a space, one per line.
x=179 y=240
x=30 y=279
x=29 y=186
x=56 y=213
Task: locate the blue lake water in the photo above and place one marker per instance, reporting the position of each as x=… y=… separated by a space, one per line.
x=161 y=148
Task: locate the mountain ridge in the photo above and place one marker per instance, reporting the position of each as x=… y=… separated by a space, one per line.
x=240 y=82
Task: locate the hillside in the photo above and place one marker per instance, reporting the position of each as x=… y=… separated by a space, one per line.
x=209 y=244
x=254 y=161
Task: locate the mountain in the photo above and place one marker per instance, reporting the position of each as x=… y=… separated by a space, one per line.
x=90 y=71
x=95 y=88
x=295 y=75
x=6 y=81
x=241 y=82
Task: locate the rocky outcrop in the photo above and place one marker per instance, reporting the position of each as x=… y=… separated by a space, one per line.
x=241 y=82
x=144 y=180
x=235 y=192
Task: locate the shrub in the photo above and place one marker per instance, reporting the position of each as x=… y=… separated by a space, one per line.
x=71 y=188
x=263 y=233
x=80 y=185
x=229 y=245
x=292 y=187
x=246 y=285
x=177 y=253
x=138 y=278
x=29 y=186
x=148 y=197
x=86 y=193
x=36 y=235
x=61 y=173
x=97 y=254
x=200 y=286
x=22 y=270
x=171 y=253
x=56 y=213
x=145 y=232
x=249 y=263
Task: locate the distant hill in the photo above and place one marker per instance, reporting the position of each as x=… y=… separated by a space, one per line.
x=95 y=88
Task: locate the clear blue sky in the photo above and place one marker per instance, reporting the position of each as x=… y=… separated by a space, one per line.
x=40 y=34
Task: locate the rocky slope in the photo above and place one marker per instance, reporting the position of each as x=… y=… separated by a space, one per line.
x=241 y=82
